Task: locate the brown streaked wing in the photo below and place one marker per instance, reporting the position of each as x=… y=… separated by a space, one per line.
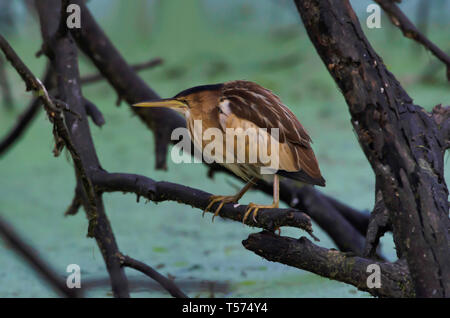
x=252 y=102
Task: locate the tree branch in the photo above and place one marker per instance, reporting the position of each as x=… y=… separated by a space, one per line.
x=378 y=226
x=92 y=78
x=60 y=48
x=39 y=265
x=321 y=209
x=166 y=283
x=26 y=117
x=5 y=87
x=400 y=20
x=155 y=191
x=301 y=253
x=93 y=112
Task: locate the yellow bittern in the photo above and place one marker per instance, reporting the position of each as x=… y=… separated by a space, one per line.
x=235 y=108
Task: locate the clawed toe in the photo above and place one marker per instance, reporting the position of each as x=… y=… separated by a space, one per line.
x=254 y=208
x=218 y=198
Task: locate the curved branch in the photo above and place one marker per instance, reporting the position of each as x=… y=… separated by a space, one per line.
x=301 y=253
x=93 y=112
x=166 y=283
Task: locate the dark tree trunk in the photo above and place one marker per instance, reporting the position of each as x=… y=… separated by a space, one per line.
x=62 y=51
x=401 y=141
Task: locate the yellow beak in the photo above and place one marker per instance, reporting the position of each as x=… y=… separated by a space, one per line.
x=166 y=102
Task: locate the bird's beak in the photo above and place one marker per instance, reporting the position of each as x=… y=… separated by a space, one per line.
x=166 y=103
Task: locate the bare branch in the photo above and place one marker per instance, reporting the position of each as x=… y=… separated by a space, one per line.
x=338 y=220
x=93 y=112
x=5 y=87
x=23 y=121
x=77 y=201
x=62 y=52
x=165 y=282
x=156 y=191
x=30 y=255
x=378 y=226
x=400 y=20
x=92 y=78
x=340 y=266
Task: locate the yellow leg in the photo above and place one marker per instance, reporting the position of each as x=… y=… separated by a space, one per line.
x=252 y=207
x=223 y=199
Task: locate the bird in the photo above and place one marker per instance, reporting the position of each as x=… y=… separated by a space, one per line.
x=236 y=107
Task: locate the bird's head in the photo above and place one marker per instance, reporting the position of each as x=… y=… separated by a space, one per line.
x=193 y=100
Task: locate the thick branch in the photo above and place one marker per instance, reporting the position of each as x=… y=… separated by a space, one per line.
x=400 y=20
x=166 y=191
x=301 y=253
x=342 y=223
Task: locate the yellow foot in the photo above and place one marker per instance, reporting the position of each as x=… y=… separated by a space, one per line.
x=223 y=199
x=252 y=207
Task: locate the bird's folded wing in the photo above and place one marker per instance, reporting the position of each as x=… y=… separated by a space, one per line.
x=248 y=105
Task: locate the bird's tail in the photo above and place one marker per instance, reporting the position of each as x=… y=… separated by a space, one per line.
x=302 y=176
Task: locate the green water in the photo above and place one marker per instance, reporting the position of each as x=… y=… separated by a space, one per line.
x=207 y=259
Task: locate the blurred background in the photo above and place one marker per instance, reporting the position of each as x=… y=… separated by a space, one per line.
x=201 y=41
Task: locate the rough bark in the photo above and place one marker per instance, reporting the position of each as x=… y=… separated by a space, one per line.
x=269 y=219
x=344 y=267
x=400 y=140
x=62 y=51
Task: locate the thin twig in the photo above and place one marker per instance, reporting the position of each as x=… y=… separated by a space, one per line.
x=400 y=20
x=5 y=87
x=92 y=78
x=93 y=112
